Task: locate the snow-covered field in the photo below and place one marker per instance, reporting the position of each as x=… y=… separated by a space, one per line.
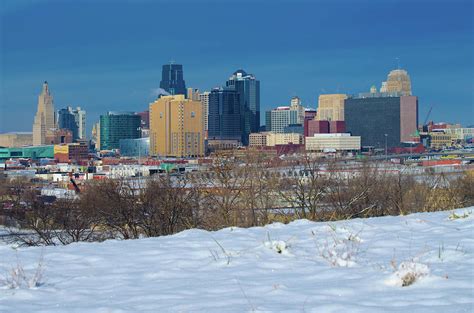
x=348 y=266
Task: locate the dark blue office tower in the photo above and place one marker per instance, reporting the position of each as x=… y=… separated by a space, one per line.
x=172 y=80
x=248 y=89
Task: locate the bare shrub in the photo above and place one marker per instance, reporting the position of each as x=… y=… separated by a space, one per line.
x=216 y=255
x=259 y=194
x=221 y=188
x=167 y=205
x=75 y=221
x=114 y=201
x=304 y=187
x=352 y=193
x=17 y=277
x=341 y=249
x=408 y=273
x=39 y=217
x=464 y=187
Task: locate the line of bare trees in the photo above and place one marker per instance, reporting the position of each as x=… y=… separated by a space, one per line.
x=233 y=191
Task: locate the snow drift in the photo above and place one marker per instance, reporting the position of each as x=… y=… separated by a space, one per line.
x=417 y=263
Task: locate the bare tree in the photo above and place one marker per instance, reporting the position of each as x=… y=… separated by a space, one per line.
x=259 y=194
x=304 y=186
x=222 y=186
x=114 y=201
x=75 y=221
x=167 y=205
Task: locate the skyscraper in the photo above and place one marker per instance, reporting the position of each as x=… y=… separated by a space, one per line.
x=80 y=116
x=398 y=81
x=277 y=120
x=74 y=120
x=295 y=104
x=176 y=127
x=118 y=125
x=224 y=120
x=45 y=117
x=96 y=136
x=172 y=79
x=248 y=90
x=331 y=107
x=204 y=98
x=382 y=120
x=67 y=120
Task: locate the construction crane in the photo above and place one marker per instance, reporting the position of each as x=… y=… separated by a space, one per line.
x=428 y=115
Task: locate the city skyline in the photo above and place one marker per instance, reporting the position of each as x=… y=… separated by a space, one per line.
x=315 y=54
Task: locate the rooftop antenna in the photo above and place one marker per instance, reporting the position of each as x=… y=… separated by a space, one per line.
x=171 y=61
x=398 y=62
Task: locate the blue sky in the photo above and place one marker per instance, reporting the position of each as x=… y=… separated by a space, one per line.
x=107 y=55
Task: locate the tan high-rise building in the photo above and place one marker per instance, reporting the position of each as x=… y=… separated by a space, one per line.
x=399 y=81
x=331 y=107
x=45 y=117
x=193 y=94
x=176 y=127
x=96 y=135
x=295 y=104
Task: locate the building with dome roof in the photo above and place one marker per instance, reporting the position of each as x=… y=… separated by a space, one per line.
x=385 y=118
x=398 y=81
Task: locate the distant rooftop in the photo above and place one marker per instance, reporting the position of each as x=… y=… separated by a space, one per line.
x=364 y=95
x=17 y=133
x=120 y=113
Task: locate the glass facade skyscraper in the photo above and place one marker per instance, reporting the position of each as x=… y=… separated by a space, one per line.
x=248 y=89
x=224 y=115
x=172 y=80
x=74 y=120
x=67 y=120
x=118 y=125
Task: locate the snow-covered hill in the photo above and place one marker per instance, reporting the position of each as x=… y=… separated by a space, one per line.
x=349 y=266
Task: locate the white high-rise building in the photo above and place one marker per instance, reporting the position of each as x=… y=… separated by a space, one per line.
x=80 y=117
x=45 y=118
x=278 y=119
x=204 y=97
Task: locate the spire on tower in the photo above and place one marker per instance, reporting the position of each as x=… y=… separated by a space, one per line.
x=45 y=87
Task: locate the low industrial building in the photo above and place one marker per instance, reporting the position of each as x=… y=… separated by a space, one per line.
x=461 y=134
x=333 y=142
x=73 y=152
x=14 y=140
x=271 y=139
x=439 y=140
x=32 y=152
